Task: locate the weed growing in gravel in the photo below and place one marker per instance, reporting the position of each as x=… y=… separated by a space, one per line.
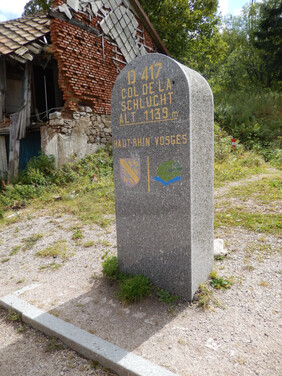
x=31 y=241
x=15 y=250
x=88 y=243
x=59 y=249
x=204 y=296
x=166 y=297
x=6 y=259
x=53 y=266
x=77 y=235
x=54 y=345
x=219 y=282
x=13 y=316
x=110 y=267
x=133 y=288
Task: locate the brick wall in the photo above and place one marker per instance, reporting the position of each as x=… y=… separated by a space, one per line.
x=87 y=71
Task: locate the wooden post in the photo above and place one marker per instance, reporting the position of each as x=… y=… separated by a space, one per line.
x=2 y=87
x=3 y=158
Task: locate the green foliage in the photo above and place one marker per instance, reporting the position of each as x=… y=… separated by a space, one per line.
x=254 y=118
x=58 y=249
x=268 y=39
x=204 y=297
x=189 y=30
x=41 y=178
x=34 y=6
x=55 y=345
x=13 y=316
x=259 y=222
x=134 y=289
x=110 y=268
x=166 y=297
x=77 y=235
x=220 y=283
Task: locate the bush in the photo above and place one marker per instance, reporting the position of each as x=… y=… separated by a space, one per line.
x=254 y=118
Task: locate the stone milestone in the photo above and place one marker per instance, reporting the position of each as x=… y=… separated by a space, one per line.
x=162 y=125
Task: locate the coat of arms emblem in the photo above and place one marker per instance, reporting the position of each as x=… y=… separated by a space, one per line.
x=130 y=171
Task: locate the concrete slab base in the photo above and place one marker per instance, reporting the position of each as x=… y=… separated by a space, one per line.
x=121 y=361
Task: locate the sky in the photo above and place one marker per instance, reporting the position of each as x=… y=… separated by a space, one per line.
x=10 y=9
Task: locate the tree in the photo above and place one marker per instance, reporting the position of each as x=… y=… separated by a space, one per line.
x=189 y=29
x=34 y=6
x=268 y=39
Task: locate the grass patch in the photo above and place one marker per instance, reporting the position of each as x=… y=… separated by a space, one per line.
x=88 y=243
x=259 y=222
x=204 y=296
x=77 y=235
x=13 y=316
x=6 y=259
x=15 y=250
x=53 y=266
x=166 y=297
x=58 y=249
x=237 y=166
x=133 y=288
x=55 y=345
x=31 y=241
x=265 y=191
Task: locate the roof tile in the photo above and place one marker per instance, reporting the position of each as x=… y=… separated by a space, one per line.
x=16 y=35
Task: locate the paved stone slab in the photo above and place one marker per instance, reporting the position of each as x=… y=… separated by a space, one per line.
x=111 y=356
x=162 y=124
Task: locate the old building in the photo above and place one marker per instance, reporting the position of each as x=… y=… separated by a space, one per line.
x=57 y=74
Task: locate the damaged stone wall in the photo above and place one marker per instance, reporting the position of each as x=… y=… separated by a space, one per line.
x=88 y=63
x=76 y=137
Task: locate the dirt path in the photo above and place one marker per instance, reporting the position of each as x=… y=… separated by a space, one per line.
x=239 y=335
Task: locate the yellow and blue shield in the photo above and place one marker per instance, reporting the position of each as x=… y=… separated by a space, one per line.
x=130 y=171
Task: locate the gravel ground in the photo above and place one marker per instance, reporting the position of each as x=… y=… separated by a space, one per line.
x=240 y=334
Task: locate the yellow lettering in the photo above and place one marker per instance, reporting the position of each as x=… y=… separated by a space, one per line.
x=115 y=143
x=129 y=107
x=121 y=120
x=168 y=84
x=125 y=119
x=123 y=106
x=156 y=140
x=141 y=103
x=139 y=142
x=148 y=141
x=128 y=142
x=119 y=144
x=134 y=92
x=172 y=140
x=184 y=139
x=149 y=102
x=123 y=93
x=135 y=104
x=154 y=100
x=162 y=140
x=170 y=94
x=160 y=88
x=131 y=77
x=178 y=141
x=124 y=143
x=133 y=116
x=144 y=89
x=151 y=91
x=163 y=99
x=134 y=142
x=130 y=92
x=167 y=140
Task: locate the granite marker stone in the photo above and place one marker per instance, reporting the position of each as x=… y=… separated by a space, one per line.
x=162 y=124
